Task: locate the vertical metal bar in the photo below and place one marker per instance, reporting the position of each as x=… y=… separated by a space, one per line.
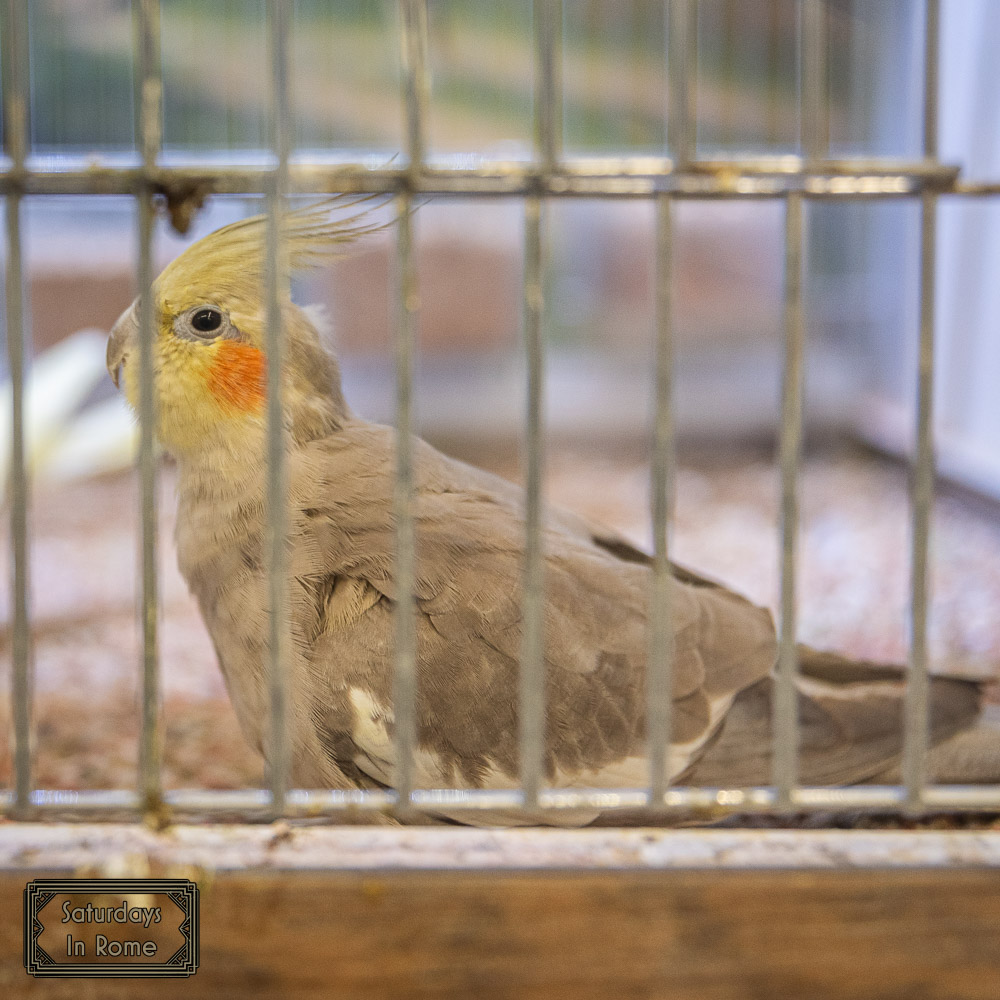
x=416 y=93
x=682 y=52
x=548 y=82
x=276 y=286
x=813 y=108
x=416 y=79
x=785 y=729
x=814 y=74
x=548 y=148
x=729 y=113
x=148 y=111
x=922 y=483
x=682 y=71
x=405 y=676
x=932 y=43
x=661 y=639
x=774 y=82
x=15 y=111
x=682 y=45
x=532 y=686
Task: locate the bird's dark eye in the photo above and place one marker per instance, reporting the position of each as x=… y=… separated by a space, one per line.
x=206 y=320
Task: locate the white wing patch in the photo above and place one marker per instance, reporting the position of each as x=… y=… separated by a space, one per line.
x=371 y=734
x=371 y=727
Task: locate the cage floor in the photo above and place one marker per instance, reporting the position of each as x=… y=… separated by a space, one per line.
x=853 y=592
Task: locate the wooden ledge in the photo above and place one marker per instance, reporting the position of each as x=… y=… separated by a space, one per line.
x=113 y=849
x=373 y=912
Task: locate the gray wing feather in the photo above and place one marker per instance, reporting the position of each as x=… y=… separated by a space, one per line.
x=469 y=530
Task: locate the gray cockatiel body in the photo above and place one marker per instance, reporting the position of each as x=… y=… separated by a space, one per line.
x=469 y=535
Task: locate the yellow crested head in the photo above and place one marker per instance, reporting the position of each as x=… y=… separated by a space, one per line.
x=210 y=317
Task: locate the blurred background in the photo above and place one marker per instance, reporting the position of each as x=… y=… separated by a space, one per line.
x=861 y=296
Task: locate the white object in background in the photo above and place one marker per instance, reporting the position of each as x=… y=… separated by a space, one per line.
x=968 y=307
x=103 y=438
x=56 y=385
x=967 y=310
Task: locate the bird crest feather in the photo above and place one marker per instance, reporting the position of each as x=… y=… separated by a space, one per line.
x=233 y=259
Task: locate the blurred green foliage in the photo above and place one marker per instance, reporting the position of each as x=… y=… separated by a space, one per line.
x=346 y=87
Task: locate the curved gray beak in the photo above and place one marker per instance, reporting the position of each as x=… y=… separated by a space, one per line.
x=120 y=342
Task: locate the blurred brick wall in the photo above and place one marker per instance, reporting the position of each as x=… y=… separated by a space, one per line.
x=62 y=303
x=469 y=297
x=727 y=283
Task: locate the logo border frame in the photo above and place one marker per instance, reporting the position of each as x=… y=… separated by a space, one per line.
x=182 y=964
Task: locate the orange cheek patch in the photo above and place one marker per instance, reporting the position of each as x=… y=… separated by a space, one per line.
x=237 y=376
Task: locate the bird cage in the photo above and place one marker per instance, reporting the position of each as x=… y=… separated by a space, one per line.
x=296 y=897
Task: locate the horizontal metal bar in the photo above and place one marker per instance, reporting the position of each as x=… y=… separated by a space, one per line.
x=628 y=177
x=689 y=186
x=975 y=189
x=304 y=803
x=95 y=169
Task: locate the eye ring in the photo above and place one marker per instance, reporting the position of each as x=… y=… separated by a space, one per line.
x=206 y=320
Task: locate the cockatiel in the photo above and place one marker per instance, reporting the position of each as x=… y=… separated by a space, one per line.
x=210 y=367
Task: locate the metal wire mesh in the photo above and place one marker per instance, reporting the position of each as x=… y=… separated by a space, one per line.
x=794 y=179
